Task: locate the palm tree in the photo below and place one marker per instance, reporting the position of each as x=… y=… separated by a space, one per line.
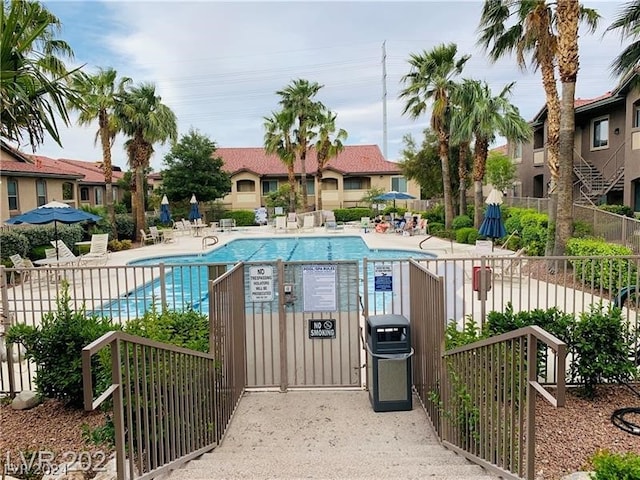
x=628 y=24
x=460 y=99
x=431 y=81
x=99 y=95
x=298 y=99
x=278 y=141
x=146 y=120
x=528 y=29
x=33 y=87
x=327 y=148
x=487 y=115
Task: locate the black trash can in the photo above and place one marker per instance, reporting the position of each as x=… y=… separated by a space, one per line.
x=389 y=363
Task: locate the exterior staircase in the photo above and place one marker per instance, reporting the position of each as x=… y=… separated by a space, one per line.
x=594 y=183
x=328 y=435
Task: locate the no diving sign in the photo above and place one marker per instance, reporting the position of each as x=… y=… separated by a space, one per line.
x=261 y=283
x=322 y=328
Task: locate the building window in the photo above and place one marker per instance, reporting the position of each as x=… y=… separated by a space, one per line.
x=84 y=194
x=245 y=186
x=269 y=186
x=41 y=192
x=516 y=153
x=600 y=133
x=99 y=196
x=67 y=191
x=12 y=191
x=636 y=115
x=356 y=183
x=311 y=187
x=538 y=138
x=399 y=184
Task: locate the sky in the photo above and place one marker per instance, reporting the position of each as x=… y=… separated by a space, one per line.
x=218 y=65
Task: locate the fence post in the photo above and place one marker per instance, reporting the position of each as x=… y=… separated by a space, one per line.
x=5 y=322
x=282 y=325
x=163 y=286
x=532 y=373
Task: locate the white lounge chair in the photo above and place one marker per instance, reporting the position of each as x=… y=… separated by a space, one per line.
x=227 y=224
x=98 y=252
x=308 y=224
x=292 y=222
x=64 y=253
x=281 y=224
x=155 y=234
x=20 y=267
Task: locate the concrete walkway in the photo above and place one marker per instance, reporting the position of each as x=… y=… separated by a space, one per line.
x=327 y=435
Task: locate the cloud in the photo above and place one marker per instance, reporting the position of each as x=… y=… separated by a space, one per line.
x=219 y=64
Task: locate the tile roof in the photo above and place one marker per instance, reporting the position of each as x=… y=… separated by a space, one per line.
x=579 y=102
x=503 y=149
x=27 y=164
x=92 y=171
x=354 y=159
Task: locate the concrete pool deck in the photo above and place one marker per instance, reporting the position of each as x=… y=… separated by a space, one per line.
x=189 y=244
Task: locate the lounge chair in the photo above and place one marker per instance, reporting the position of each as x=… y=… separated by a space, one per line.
x=227 y=224
x=20 y=268
x=308 y=224
x=510 y=267
x=155 y=234
x=330 y=223
x=292 y=222
x=98 y=252
x=64 y=255
x=281 y=224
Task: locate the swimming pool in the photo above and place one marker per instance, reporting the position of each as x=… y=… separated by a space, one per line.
x=186 y=277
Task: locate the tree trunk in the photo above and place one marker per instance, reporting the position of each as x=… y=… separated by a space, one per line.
x=447 y=192
x=479 y=167
x=318 y=190
x=292 y=190
x=462 y=173
x=107 y=168
x=141 y=223
x=568 y=12
x=303 y=180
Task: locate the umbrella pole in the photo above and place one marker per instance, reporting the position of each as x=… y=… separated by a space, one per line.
x=55 y=234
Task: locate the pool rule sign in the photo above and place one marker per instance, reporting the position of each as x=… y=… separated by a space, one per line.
x=261 y=283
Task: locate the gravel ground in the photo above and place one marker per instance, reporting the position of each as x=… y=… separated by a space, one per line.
x=567 y=436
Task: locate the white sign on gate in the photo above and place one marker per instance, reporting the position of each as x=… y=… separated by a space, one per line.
x=261 y=283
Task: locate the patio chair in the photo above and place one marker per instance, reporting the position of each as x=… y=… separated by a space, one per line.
x=155 y=234
x=20 y=267
x=510 y=266
x=65 y=255
x=281 y=224
x=178 y=227
x=308 y=224
x=292 y=221
x=146 y=239
x=227 y=224
x=330 y=223
x=98 y=252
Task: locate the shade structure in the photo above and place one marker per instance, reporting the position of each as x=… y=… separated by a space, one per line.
x=493 y=226
x=194 y=213
x=393 y=195
x=165 y=214
x=53 y=212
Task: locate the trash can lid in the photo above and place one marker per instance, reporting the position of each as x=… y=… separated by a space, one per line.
x=388 y=320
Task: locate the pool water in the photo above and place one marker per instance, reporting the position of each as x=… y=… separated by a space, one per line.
x=188 y=286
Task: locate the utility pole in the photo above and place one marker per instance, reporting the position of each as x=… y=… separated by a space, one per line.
x=384 y=99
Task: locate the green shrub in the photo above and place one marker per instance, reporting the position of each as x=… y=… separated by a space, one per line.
x=355 y=214
x=435 y=214
x=534 y=228
x=436 y=228
x=514 y=243
x=552 y=320
x=615 y=466
x=582 y=229
x=243 y=218
x=623 y=210
x=609 y=273
x=189 y=329
x=56 y=348
x=118 y=245
x=458 y=338
x=513 y=216
x=473 y=236
x=463 y=234
x=43 y=234
x=125 y=227
x=461 y=221
x=12 y=242
x=602 y=346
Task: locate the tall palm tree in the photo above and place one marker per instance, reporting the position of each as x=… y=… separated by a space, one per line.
x=528 y=29
x=143 y=117
x=298 y=99
x=100 y=93
x=328 y=146
x=278 y=141
x=431 y=80
x=628 y=24
x=33 y=75
x=486 y=116
x=461 y=99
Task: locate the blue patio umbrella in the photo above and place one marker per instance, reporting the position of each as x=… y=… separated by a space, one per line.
x=53 y=212
x=493 y=226
x=165 y=214
x=393 y=195
x=194 y=213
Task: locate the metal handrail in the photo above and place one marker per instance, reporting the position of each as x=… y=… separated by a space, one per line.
x=499 y=364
